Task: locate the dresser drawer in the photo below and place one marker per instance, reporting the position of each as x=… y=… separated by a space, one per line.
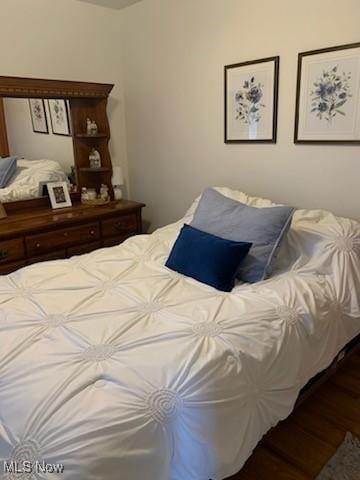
x=86 y=248
x=46 y=242
x=126 y=224
x=7 y=268
x=58 y=255
x=11 y=250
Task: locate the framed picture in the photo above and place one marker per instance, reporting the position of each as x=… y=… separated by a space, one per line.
x=59 y=116
x=251 y=100
x=38 y=115
x=59 y=195
x=327 y=96
x=43 y=189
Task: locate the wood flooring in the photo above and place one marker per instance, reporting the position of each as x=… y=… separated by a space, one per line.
x=299 y=447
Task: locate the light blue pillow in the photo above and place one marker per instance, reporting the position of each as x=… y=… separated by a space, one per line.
x=265 y=228
x=7 y=170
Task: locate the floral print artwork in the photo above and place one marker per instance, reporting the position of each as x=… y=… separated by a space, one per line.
x=59 y=112
x=59 y=116
x=331 y=92
x=248 y=102
x=38 y=115
x=38 y=110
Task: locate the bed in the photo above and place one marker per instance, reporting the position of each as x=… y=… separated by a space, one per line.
x=25 y=183
x=113 y=366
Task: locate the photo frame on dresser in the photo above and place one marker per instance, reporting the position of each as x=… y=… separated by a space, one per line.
x=327 y=96
x=251 y=101
x=59 y=195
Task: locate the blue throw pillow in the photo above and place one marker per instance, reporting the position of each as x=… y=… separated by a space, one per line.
x=7 y=170
x=207 y=258
x=265 y=228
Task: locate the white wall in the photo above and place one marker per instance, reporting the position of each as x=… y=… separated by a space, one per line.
x=173 y=58
x=24 y=142
x=66 y=40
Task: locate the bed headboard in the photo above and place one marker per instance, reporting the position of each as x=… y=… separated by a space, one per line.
x=4 y=145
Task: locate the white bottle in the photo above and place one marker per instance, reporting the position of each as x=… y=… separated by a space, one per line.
x=84 y=195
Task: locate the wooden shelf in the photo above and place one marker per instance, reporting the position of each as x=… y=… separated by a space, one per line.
x=94 y=170
x=85 y=135
x=95 y=109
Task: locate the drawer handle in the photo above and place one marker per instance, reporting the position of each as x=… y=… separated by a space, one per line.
x=3 y=254
x=120 y=226
x=38 y=245
x=92 y=232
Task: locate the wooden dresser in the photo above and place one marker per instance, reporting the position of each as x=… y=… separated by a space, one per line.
x=42 y=234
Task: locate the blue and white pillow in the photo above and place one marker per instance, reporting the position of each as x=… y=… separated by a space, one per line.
x=265 y=228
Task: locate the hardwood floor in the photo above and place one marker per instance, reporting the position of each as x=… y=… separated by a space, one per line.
x=299 y=447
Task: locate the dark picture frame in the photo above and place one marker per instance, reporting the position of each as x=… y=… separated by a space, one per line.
x=326 y=96
x=38 y=115
x=246 y=100
x=59 y=117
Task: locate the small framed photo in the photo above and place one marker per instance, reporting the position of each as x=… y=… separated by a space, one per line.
x=328 y=96
x=59 y=116
x=38 y=115
x=59 y=195
x=43 y=190
x=251 y=101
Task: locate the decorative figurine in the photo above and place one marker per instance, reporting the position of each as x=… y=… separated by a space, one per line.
x=95 y=159
x=104 y=192
x=91 y=127
x=88 y=126
x=94 y=128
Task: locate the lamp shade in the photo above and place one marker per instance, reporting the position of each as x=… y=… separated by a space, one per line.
x=117 y=178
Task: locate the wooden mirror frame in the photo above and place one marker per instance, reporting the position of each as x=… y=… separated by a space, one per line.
x=87 y=100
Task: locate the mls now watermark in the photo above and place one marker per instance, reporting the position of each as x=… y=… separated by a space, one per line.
x=35 y=468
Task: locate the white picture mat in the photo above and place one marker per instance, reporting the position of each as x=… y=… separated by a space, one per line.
x=39 y=124
x=347 y=127
x=60 y=124
x=54 y=202
x=264 y=73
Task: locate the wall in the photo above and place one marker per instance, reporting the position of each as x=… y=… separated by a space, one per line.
x=24 y=142
x=173 y=57
x=66 y=40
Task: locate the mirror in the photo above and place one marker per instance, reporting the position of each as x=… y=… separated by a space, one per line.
x=39 y=135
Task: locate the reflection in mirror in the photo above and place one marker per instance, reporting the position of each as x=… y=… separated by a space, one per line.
x=39 y=136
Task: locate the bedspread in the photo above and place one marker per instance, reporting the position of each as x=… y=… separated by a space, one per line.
x=114 y=367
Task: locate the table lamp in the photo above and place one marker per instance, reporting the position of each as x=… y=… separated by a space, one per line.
x=117 y=180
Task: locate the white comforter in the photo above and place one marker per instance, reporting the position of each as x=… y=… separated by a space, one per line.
x=25 y=183
x=119 y=368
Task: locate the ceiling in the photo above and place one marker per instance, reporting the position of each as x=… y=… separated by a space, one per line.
x=116 y=4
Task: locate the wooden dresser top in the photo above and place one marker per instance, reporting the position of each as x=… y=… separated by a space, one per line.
x=42 y=218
